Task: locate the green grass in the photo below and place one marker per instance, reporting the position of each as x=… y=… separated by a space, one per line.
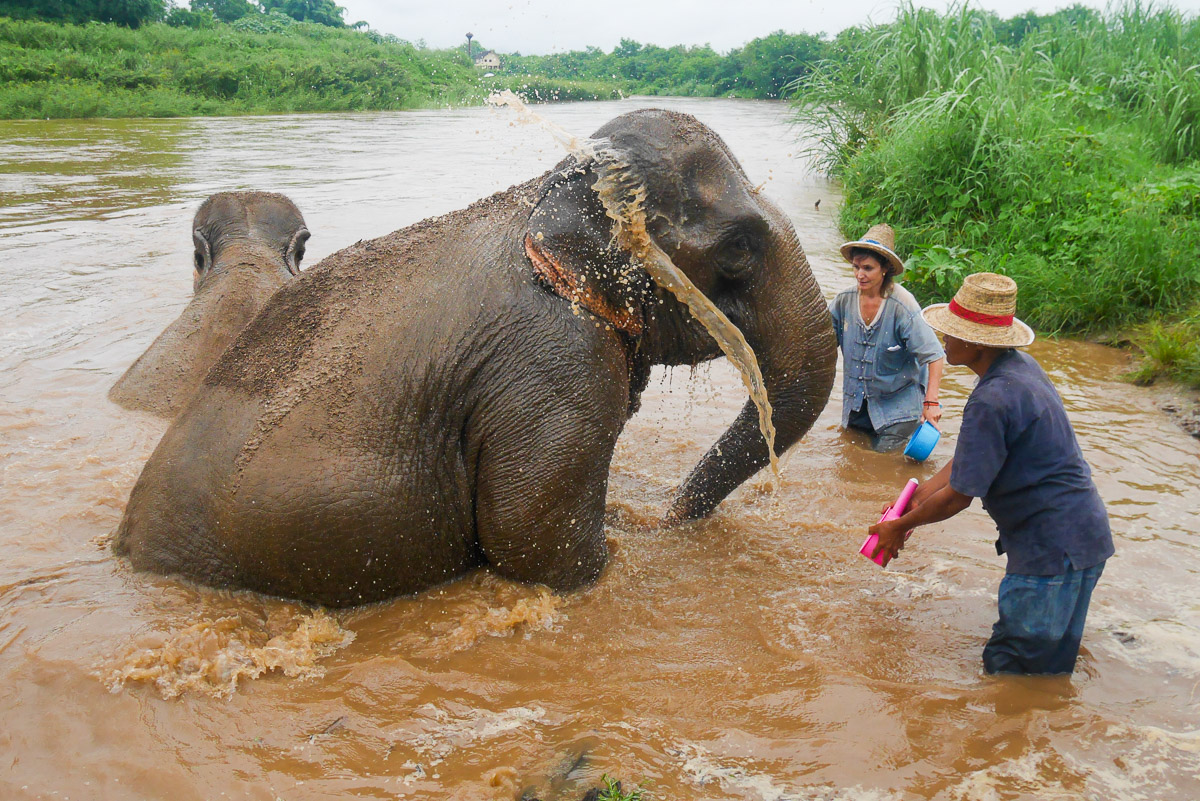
x=52 y=70
x=1068 y=161
x=1172 y=351
x=613 y=791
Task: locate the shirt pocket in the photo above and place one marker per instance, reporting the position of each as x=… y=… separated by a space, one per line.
x=892 y=358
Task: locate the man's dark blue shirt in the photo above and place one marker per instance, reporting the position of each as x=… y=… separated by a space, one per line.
x=1017 y=450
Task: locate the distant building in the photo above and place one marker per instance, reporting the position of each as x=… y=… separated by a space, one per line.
x=488 y=60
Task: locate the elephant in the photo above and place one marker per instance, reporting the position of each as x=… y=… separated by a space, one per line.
x=450 y=395
x=247 y=245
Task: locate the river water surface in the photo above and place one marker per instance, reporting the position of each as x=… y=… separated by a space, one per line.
x=753 y=655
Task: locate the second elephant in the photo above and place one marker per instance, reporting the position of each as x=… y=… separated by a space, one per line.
x=247 y=244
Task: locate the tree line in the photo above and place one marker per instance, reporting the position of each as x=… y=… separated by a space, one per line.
x=199 y=13
x=768 y=67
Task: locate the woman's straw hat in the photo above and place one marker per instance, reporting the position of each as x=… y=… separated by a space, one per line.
x=879 y=239
x=982 y=312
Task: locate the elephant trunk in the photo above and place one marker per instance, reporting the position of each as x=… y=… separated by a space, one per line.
x=165 y=377
x=794 y=342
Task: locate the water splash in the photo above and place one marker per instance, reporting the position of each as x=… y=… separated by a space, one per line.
x=623 y=192
x=211 y=657
x=539 y=611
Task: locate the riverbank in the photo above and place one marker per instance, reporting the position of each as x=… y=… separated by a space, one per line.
x=1066 y=158
x=270 y=63
x=260 y=66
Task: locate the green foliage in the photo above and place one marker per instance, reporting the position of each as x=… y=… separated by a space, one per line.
x=613 y=792
x=322 y=12
x=760 y=69
x=179 y=17
x=257 y=64
x=769 y=65
x=130 y=13
x=225 y=10
x=1172 y=350
x=1061 y=150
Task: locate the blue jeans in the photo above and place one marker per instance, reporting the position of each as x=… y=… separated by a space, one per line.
x=888 y=438
x=1041 y=622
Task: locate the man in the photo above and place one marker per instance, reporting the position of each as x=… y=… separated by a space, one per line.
x=1016 y=450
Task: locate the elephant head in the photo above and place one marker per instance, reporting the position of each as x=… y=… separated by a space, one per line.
x=674 y=191
x=247 y=244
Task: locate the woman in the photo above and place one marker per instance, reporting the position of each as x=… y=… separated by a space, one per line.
x=891 y=360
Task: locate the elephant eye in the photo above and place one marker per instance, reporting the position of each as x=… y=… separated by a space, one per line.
x=199 y=261
x=738 y=254
x=299 y=254
x=742 y=244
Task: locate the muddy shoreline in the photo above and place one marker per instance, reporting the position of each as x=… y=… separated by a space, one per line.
x=1184 y=410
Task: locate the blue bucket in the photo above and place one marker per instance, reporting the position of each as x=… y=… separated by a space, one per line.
x=921 y=443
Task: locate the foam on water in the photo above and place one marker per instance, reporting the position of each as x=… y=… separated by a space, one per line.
x=704 y=769
x=1030 y=775
x=435 y=732
x=1137 y=641
x=211 y=657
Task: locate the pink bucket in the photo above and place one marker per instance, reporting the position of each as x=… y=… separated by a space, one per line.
x=891 y=513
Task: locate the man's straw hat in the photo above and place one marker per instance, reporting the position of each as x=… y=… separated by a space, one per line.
x=982 y=312
x=880 y=239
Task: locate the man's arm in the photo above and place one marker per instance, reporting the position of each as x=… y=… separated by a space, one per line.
x=940 y=504
x=926 y=490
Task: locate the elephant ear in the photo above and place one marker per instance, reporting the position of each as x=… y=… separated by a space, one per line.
x=295 y=250
x=570 y=223
x=203 y=259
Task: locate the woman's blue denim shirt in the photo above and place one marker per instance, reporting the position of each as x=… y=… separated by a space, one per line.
x=885 y=362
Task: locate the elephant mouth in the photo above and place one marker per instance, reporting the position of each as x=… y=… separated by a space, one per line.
x=567 y=285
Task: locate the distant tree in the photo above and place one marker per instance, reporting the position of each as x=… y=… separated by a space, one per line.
x=178 y=17
x=226 y=10
x=1076 y=17
x=130 y=13
x=768 y=64
x=322 y=12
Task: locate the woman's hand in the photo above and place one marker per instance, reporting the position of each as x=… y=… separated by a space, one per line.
x=933 y=413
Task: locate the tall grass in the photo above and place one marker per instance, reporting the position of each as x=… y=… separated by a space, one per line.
x=1068 y=161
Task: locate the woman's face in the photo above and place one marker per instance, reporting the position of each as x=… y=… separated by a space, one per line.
x=868 y=272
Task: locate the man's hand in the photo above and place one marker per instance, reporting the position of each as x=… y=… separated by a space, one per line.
x=891 y=538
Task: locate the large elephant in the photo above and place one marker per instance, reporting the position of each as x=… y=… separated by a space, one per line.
x=247 y=245
x=450 y=395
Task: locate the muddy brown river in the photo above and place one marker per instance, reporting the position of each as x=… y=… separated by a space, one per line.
x=754 y=655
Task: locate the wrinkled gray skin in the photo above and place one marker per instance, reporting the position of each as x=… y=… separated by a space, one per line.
x=418 y=405
x=247 y=245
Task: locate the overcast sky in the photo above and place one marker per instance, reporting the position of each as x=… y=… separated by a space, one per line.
x=547 y=26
